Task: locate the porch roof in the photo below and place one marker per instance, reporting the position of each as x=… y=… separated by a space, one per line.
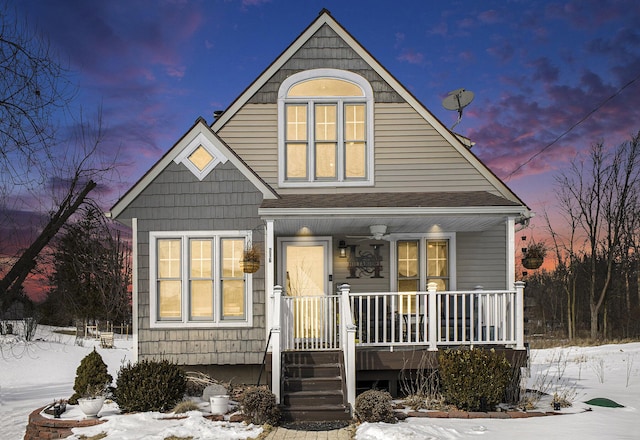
x=402 y=212
x=389 y=200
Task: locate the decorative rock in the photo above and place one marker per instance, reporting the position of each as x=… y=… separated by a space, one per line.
x=214 y=390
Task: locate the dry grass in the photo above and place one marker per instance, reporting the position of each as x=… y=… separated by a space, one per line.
x=551 y=342
x=93 y=437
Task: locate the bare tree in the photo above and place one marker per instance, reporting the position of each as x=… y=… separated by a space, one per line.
x=598 y=194
x=564 y=248
x=42 y=171
x=34 y=89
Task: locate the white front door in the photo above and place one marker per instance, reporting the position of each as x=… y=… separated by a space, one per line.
x=305 y=270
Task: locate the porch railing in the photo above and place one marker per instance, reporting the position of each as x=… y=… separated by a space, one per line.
x=311 y=322
x=431 y=318
x=475 y=317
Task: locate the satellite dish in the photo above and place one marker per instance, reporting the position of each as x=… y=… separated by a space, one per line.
x=457 y=100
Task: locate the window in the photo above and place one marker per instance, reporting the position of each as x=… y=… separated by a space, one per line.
x=413 y=275
x=196 y=279
x=200 y=156
x=326 y=129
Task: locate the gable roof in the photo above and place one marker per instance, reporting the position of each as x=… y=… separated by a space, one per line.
x=456 y=141
x=199 y=128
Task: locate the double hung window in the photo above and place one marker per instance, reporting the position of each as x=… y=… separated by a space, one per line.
x=196 y=279
x=326 y=129
x=420 y=262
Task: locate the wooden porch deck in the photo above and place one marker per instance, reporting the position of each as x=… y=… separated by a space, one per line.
x=382 y=334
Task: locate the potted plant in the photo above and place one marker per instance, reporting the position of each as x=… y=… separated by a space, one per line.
x=250 y=262
x=533 y=256
x=92 y=400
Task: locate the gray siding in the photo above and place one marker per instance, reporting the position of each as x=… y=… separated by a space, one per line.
x=177 y=201
x=482 y=259
x=325 y=50
x=410 y=155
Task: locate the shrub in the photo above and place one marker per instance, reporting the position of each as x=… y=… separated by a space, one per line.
x=474 y=380
x=375 y=406
x=149 y=386
x=260 y=407
x=91 y=374
x=186 y=406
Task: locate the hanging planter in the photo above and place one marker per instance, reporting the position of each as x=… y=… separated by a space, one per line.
x=250 y=262
x=534 y=256
x=532 y=263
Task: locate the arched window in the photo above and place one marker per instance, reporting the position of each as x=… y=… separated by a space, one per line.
x=325 y=129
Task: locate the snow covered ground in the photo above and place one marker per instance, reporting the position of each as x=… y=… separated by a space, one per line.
x=34 y=374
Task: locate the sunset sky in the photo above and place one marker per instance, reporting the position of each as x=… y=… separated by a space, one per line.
x=537 y=68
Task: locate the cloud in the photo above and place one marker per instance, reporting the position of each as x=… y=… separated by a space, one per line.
x=411 y=57
x=490 y=17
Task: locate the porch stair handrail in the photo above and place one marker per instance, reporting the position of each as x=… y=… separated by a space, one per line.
x=276 y=349
x=348 y=336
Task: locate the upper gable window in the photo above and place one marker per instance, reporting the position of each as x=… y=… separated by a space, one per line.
x=200 y=156
x=325 y=129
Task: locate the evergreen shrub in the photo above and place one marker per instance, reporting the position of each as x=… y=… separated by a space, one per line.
x=149 y=385
x=92 y=377
x=375 y=406
x=474 y=380
x=260 y=407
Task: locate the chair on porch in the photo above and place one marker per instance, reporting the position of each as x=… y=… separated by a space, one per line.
x=369 y=316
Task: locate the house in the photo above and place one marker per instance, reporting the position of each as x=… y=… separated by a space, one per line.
x=383 y=237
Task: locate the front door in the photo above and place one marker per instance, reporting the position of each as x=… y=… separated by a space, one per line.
x=305 y=279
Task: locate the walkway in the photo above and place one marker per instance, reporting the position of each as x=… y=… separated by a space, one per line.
x=280 y=433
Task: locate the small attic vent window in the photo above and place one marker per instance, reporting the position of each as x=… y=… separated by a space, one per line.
x=200 y=156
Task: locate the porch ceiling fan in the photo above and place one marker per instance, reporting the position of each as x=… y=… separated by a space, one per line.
x=378 y=232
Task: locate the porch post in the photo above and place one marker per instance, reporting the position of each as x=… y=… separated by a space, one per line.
x=519 y=315
x=275 y=344
x=348 y=329
x=432 y=316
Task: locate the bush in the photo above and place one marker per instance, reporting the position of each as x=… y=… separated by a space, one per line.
x=260 y=407
x=149 y=386
x=186 y=406
x=91 y=374
x=474 y=380
x=375 y=406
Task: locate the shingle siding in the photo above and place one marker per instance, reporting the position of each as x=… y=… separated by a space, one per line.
x=177 y=201
x=325 y=50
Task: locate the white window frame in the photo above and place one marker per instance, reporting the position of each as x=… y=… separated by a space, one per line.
x=200 y=141
x=423 y=238
x=283 y=100
x=185 y=321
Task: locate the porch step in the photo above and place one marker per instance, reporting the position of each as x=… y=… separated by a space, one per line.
x=294 y=384
x=315 y=413
x=312 y=386
x=311 y=398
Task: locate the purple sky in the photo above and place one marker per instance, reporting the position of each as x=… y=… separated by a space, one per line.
x=536 y=68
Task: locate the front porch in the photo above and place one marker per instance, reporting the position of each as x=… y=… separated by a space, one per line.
x=380 y=332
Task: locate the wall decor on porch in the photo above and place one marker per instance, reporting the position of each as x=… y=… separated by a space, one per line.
x=363 y=263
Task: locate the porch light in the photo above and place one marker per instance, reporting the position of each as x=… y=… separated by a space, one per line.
x=342 y=249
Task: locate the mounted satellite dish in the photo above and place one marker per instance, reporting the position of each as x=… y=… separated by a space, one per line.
x=457 y=100
x=378 y=232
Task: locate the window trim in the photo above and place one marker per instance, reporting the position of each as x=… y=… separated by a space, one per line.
x=200 y=141
x=283 y=100
x=185 y=320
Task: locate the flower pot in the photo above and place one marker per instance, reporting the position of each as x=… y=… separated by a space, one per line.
x=219 y=404
x=91 y=406
x=532 y=262
x=249 y=266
